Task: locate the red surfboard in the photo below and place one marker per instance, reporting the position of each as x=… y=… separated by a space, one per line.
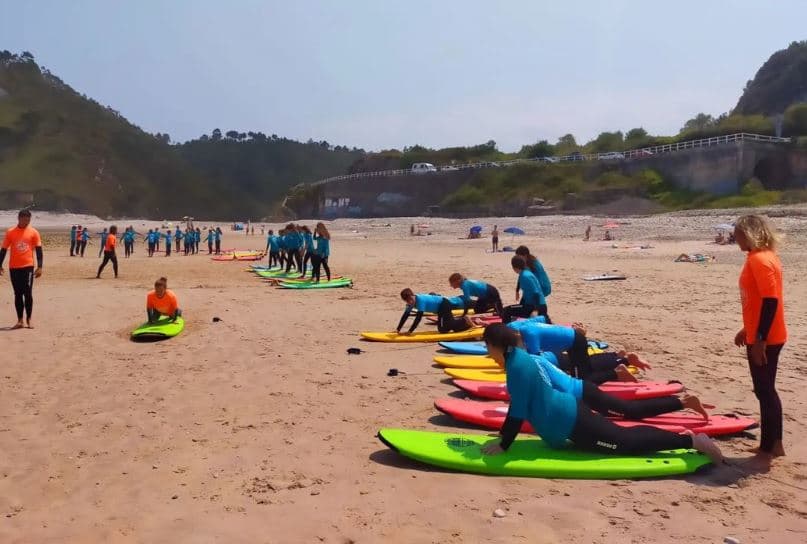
x=623 y=390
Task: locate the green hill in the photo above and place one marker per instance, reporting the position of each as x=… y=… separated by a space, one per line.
x=60 y=150
x=780 y=82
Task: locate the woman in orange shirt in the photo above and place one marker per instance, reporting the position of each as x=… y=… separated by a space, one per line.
x=162 y=301
x=764 y=332
x=109 y=252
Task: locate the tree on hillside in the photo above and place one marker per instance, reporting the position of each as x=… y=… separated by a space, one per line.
x=216 y=135
x=796 y=120
x=541 y=148
x=566 y=145
x=607 y=141
x=699 y=123
x=780 y=82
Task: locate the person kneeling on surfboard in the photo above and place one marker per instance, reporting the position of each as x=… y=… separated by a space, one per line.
x=533 y=298
x=487 y=296
x=437 y=304
x=610 y=405
x=558 y=417
x=539 y=337
x=162 y=301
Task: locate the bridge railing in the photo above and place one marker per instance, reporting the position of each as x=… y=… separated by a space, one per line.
x=642 y=153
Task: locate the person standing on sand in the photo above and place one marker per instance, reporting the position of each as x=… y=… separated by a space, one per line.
x=587 y=237
x=21 y=242
x=764 y=332
x=109 y=252
x=495 y=238
x=218 y=240
x=209 y=238
x=72 y=240
x=103 y=234
x=177 y=237
x=85 y=235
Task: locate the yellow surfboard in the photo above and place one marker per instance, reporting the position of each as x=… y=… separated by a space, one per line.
x=490 y=375
x=465 y=361
x=425 y=336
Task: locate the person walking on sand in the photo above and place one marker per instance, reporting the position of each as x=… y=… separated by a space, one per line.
x=495 y=238
x=72 y=240
x=109 y=252
x=587 y=237
x=21 y=242
x=764 y=332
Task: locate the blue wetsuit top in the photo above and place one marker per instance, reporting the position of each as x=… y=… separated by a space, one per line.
x=531 y=293
x=551 y=413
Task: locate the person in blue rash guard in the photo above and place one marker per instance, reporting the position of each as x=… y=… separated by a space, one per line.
x=308 y=248
x=217 y=240
x=532 y=300
x=168 y=235
x=322 y=252
x=438 y=304
x=293 y=242
x=178 y=237
x=197 y=239
x=272 y=248
x=487 y=296
x=539 y=337
x=103 y=234
x=537 y=269
x=209 y=239
x=558 y=417
x=607 y=404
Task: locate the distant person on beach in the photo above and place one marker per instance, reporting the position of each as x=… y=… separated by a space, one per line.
x=85 y=235
x=20 y=243
x=197 y=239
x=272 y=249
x=537 y=269
x=109 y=252
x=432 y=303
x=587 y=236
x=177 y=237
x=211 y=236
x=322 y=251
x=495 y=238
x=477 y=295
x=128 y=242
x=162 y=301
x=558 y=417
x=607 y=236
x=150 y=239
x=73 y=239
x=103 y=234
x=218 y=240
x=168 y=236
x=308 y=249
x=294 y=243
x=764 y=332
x=532 y=300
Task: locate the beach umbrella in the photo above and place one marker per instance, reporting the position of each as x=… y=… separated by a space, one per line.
x=476 y=228
x=514 y=231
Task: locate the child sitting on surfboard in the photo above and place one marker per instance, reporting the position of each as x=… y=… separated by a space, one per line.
x=433 y=303
x=558 y=417
x=162 y=301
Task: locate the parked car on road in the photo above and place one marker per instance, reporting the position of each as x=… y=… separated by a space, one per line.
x=612 y=156
x=423 y=168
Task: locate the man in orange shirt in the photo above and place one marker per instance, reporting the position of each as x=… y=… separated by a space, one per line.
x=109 y=251
x=764 y=332
x=20 y=243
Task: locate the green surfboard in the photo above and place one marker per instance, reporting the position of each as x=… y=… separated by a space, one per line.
x=162 y=328
x=278 y=274
x=341 y=282
x=532 y=457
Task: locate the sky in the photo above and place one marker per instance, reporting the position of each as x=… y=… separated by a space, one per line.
x=382 y=74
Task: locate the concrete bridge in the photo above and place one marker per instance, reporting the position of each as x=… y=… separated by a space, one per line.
x=718 y=165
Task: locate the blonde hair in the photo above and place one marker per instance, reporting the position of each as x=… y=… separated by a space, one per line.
x=758 y=231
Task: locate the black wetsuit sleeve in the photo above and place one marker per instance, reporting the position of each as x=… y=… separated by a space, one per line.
x=404 y=317
x=2 y=256
x=510 y=429
x=766 y=316
x=416 y=322
x=39 y=257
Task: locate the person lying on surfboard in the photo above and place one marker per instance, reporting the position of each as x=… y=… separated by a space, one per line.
x=608 y=404
x=437 y=304
x=162 y=301
x=487 y=296
x=558 y=417
x=539 y=337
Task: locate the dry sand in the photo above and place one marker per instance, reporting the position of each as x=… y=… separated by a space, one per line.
x=260 y=428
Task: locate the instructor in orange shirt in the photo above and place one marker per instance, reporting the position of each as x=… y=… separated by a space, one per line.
x=764 y=333
x=20 y=242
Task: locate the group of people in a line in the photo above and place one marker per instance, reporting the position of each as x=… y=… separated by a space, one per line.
x=295 y=246
x=552 y=378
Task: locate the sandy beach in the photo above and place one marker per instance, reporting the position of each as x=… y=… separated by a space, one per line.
x=260 y=428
